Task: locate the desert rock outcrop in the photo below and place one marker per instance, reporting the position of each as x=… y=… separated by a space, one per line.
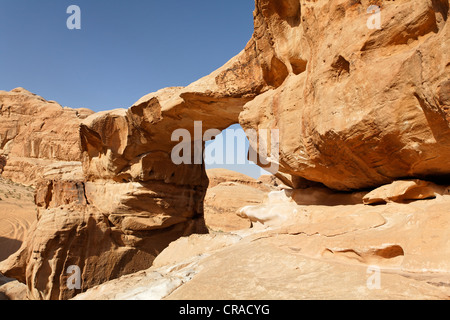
x=37 y=136
x=105 y=229
x=353 y=251
x=356 y=108
x=17 y=214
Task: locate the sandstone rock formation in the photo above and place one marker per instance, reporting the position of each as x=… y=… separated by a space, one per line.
x=404 y=191
x=105 y=229
x=173 y=268
x=37 y=136
x=228 y=192
x=11 y=289
x=264 y=183
x=353 y=251
x=295 y=77
x=17 y=214
x=356 y=108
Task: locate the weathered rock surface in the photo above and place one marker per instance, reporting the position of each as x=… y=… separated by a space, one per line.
x=127 y=155
x=403 y=191
x=356 y=108
x=316 y=252
x=36 y=135
x=228 y=192
x=17 y=213
x=106 y=229
x=219 y=176
x=172 y=268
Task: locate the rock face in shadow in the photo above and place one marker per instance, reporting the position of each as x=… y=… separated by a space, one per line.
x=12 y=246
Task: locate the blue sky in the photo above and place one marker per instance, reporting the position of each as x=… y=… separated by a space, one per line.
x=232 y=153
x=124 y=50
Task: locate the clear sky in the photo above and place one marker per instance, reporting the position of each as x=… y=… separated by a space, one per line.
x=124 y=50
x=229 y=150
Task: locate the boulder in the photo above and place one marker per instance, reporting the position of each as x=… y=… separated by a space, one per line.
x=11 y=289
x=404 y=191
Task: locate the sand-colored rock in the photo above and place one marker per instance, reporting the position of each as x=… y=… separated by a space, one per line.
x=355 y=113
x=174 y=267
x=356 y=108
x=17 y=214
x=187 y=248
x=227 y=193
x=403 y=191
x=35 y=134
x=11 y=289
x=107 y=230
x=127 y=164
x=219 y=176
x=279 y=206
x=353 y=251
x=223 y=202
x=261 y=271
x=272 y=181
x=392 y=235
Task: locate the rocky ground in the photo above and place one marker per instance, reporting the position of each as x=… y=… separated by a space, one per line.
x=339 y=251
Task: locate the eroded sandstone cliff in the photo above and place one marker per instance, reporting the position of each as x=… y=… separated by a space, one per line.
x=38 y=138
x=356 y=108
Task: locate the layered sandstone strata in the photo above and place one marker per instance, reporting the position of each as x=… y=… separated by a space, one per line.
x=105 y=230
x=38 y=138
